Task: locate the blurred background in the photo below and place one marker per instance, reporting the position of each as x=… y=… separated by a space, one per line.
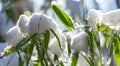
x=10 y=10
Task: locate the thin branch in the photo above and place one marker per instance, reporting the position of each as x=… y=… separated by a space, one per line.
x=77 y=28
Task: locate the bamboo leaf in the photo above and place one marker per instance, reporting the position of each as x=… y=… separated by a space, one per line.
x=69 y=46
x=101 y=27
x=13 y=49
x=46 y=39
x=74 y=59
x=108 y=35
x=21 y=62
x=24 y=41
x=55 y=57
x=61 y=64
x=56 y=38
x=116 y=48
x=8 y=51
x=37 y=64
x=63 y=17
x=91 y=39
x=29 y=51
x=116 y=44
x=41 y=53
x=87 y=59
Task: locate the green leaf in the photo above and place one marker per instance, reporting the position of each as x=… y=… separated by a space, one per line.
x=8 y=51
x=45 y=61
x=13 y=49
x=55 y=57
x=41 y=53
x=116 y=44
x=37 y=64
x=63 y=17
x=87 y=59
x=29 y=50
x=74 y=59
x=56 y=38
x=111 y=50
x=61 y=64
x=21 y=62
x=46 y=38
x=116 y=48
x=24 y=41
x=69 y=46
x=117 y=58
x=91 y=39
x=101 y=27
x=108 y=35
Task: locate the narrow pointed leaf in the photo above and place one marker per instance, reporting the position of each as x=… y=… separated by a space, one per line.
x=56 y=38
x=46 y=38
x=55 y=57
x=74 y=59
x=116 y=48
x=29 y=50
x=87 y=59
x=69 y=46
x=13 y=49
x=63 y=17
x=21 y=62
x=101 y=27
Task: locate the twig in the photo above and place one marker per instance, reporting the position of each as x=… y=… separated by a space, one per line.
x=77 y=28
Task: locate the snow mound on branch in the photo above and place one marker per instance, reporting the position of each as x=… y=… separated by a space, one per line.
x=80 y=42
x=45 y=22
